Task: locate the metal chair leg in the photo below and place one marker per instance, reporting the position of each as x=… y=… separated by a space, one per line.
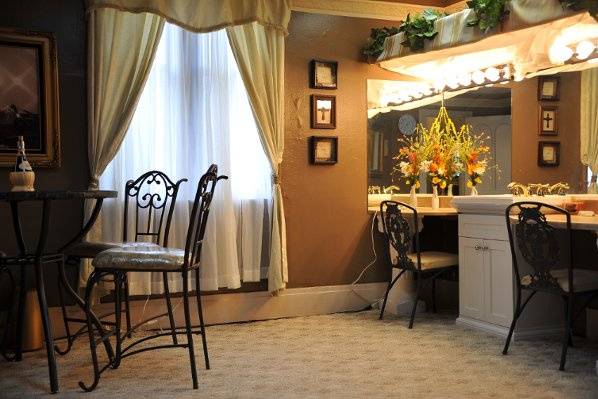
x=518 y=311
x=119 y=287
x=417 y=289
x=92 y=342
x=127 y=307
x=69 y=338
x=201 y=321
x=41 y=296
x=434 y=295
x=188 y=330
x=390 y=285
x=3 y=349
x=169 y=308
x=567 y=333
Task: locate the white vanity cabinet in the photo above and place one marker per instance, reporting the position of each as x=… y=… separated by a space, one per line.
x=487 y=291
x=485 y=270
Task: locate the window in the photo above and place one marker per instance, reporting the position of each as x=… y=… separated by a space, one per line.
x=194 y=111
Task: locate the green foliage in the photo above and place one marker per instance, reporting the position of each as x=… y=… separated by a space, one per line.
x=420 y=28
x=488 y=13
x=580 y=5
x=375 y=43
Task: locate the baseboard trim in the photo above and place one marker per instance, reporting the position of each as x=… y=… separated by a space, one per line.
x=500 y=331
x=250 y=306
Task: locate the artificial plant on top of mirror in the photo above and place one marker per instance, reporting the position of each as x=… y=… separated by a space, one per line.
x=488 y=13
x=417 y=30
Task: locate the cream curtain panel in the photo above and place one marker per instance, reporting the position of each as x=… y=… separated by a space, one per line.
x=121 y=48
x=203 y=16
x=259 y=51
x=589 y=124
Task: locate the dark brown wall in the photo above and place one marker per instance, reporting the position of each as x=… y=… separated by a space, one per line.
x=328 y=227
x=66 y=19
x=525 y=138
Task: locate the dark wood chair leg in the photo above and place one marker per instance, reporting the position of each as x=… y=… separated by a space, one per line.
x=47 y=325
x=169 y=307
x=188 y=330
x=201 y=321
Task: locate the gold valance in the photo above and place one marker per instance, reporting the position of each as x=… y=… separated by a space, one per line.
x=207 y=15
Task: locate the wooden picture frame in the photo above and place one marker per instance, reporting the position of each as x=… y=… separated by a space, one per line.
x=548 y=122
x=323 y=111
x=323 y=150
x=549 y=153
x=549 y=88
x=31 y=109
x=323 y=74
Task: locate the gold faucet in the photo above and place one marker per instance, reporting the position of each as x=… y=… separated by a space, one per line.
x=518 y=189
x=539 y=189
x=559 y=188
x=390 y=189
x=374 y=190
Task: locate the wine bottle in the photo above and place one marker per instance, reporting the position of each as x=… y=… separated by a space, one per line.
x=22 y=165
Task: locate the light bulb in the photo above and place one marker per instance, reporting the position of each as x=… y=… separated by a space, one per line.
x=506 y=72
x=452 y=82
x=558 y=54
x=465 y=79
x=492 y=74
x=584 y=49
x=478 y=77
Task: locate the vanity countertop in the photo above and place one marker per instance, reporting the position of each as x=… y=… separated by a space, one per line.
x=423 y=211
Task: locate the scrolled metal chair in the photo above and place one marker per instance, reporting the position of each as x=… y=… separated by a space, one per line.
x=547 y=263
x=428 y=265
x=117 y=262
x=152 y=197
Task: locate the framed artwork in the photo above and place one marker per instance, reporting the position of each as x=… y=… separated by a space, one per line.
x=548 y=88
x=323 y=74
x=548 y=121
x=323 y=150
x=29 y=104
x=323 y=111
x=549 y=153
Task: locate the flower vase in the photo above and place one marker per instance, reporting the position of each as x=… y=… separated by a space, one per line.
x=450 y=190
x=413 y=197
x=435 y=199
x=474 y=191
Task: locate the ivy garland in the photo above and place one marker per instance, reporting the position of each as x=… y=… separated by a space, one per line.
x=580 y=5
x=488 y=13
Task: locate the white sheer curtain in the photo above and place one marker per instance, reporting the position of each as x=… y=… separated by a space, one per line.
x=194 y=111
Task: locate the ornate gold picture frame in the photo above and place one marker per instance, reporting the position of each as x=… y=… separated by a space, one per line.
x=29 y=99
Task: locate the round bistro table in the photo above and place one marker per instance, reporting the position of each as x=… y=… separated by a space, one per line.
x=38 y=257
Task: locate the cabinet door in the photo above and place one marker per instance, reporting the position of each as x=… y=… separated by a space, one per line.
x=471 y=278
x=499 y=282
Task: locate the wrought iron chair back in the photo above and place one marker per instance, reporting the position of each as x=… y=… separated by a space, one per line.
x=539 y=245
x=199 y=216
x=398 y=232
x=154 y=195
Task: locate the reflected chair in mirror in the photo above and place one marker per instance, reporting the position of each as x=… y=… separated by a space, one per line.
x=9 y=302
x=543 y=262
x=403 y=238
x=150 y=202
x=118 y=262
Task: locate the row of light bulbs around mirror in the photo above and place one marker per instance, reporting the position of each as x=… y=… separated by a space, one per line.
x=483 y=77
x=559 y=54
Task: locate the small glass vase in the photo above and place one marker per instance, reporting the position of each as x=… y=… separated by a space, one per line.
x=435 y=199
x=474 y=191
x=450 y=190
x=413 y=196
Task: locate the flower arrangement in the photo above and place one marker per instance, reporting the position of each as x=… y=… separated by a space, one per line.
x=443 y=152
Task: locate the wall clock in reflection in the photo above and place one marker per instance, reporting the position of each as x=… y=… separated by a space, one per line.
x=407 y=124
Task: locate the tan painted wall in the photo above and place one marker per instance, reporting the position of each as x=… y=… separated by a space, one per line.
x=525 y=114
x=325 y=206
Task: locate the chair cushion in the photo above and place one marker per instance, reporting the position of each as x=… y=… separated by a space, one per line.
x=90 y=249
x=138 y=257
x=435 y=259
x=583 y=279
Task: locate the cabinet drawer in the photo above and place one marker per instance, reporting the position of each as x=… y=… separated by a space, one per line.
x=491 y=227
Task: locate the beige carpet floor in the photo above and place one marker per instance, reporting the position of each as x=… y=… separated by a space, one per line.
x=335 y=356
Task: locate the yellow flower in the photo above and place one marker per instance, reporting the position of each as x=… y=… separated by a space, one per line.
x=417 y=184
x=478 y=180
x=443 y=184
x=469 y=184
x=435 y=180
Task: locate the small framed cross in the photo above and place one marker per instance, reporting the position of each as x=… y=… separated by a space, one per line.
x=548 y=120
